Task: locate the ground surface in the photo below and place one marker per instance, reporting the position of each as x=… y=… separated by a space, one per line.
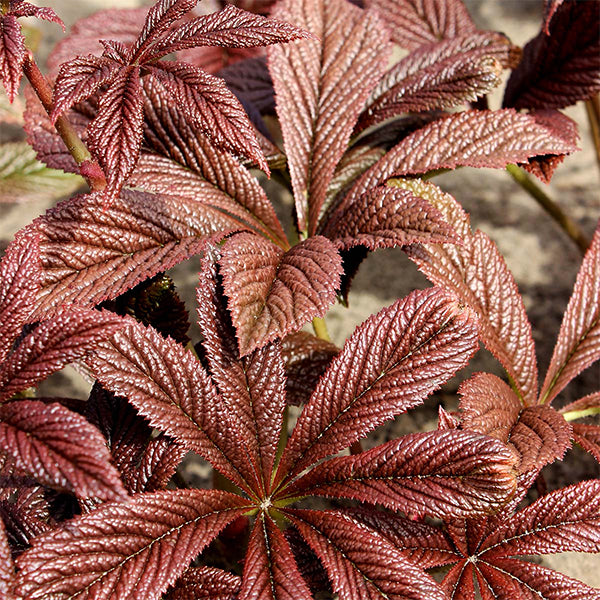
x=544 y=261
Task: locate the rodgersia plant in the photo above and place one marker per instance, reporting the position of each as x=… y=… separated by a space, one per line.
x=92 y=504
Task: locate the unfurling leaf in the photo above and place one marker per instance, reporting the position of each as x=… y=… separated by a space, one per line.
x=12 y=54
x=59 y=448
x=129 y=551
x=320 y=88
x=391 y=363
x=578 y=343
x=271 y=292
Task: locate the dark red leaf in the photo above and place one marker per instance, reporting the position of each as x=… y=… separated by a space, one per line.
x=26 y=514
x=208 y=103
x=25 y=9
x=320 y=89
x=550 y=7
x=391 y=363
x=270 y=571
x=387 y=217
x=7 y=567
x=205 y=583
x=20 y=276
x=440 y=473
x=53 y=344
x=413 y=23
x=127 y=551
x=251 y=82
x=59 y=448
x=360 y=563
x=578 y=343
x=271 y=292
x=588 y=437
x=560 y=66
x=477 y=273
x=115 y=134
x=12 y=54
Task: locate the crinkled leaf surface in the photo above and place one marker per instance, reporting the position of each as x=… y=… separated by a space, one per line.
x=205 y=583
x=417 y=22
x=12 y=54
x=320 y=88
x=271 y=292
x=7 y=567
x=360 y=563
x=392 y=362
x=588 y=437
x=561 y=65
x=578 y=343
x=440 y=473
x=23 y=178
x=129 y=551
x=440 y=75
x=59 y=448
x=476 y=272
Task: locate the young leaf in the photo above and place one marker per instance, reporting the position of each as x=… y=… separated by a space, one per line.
x=127 y=551
x=560 y=66
x=12 y=54
x=578 y=343
x=270 y=571
x=271 y=292
x=59 y=448
x=320 y=88
x=414 y=23
x=391 y=363
x=205 y=583
x=440 y=473
x=474 y=271
x=347 y=549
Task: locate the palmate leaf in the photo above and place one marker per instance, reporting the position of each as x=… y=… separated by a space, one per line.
x=320 y=88
x=414 y=23
x=561 y=65
x=360 y=563
x=440 y=473
x=578 y=343
x=391 y=363
x=270 y=571
x=205 y=583
x=59 y=448
x=133 y=550
x=271 y=292
x=440 y=75
x=474 y=271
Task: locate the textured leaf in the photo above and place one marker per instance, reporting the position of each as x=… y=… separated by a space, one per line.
x=306 y=358
x=578 y=343
x=169 y=386
x=26 y=9
x=588 y=437
x=12 y=54
x=477 y=273
x=271 y=292
x=360 y=563
x=416 y=22
x=320 y=89
x=205 y=583
x=586 y=406
x=115 y=135
x=23 y=178
x=90 y=254
x=270 y=572
x=206 y=100
x=560 y=66
x=130 y=551
x=539 y=433
x=7 y=567
x=509 y=579
x=391 y=363
x=440 y=473
x=53 y=344
x=250 y=81
x=387 y=217
x=19 y=282
x=566 y=520
x=253 y=387
x=59 y=448
x=440 y=75
x=230 y=27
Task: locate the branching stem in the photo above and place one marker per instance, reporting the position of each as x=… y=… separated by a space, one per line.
x=550 y=206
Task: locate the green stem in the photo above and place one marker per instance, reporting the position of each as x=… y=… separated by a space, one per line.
x=78 y=150
x=320 y=328
x=571 y=415
x=550 y=206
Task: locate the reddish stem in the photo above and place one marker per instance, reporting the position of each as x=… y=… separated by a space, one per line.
x=89 y=169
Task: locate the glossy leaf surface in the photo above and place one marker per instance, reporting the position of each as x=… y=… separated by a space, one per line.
x=205 y=583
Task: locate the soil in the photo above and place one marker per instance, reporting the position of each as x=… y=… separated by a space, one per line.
x=542 y=258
